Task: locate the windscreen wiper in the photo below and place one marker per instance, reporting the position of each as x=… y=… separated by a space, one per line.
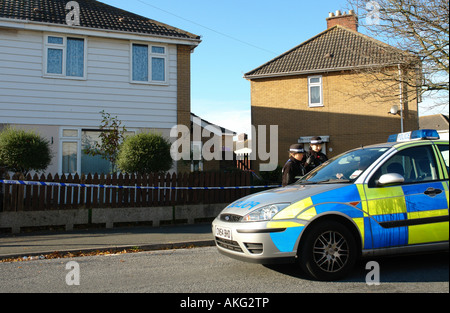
x=332 y=181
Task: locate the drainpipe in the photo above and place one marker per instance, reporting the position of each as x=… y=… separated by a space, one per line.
x=401 y=96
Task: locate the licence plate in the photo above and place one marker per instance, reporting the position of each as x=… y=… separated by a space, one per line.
x=223 y=232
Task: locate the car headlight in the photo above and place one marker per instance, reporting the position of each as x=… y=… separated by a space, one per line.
x=265 y=213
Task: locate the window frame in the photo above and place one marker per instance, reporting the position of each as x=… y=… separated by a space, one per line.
x=63 y=47
x=78 y=139
x=444 y=161
x=320 y=85
x=411 y=166
x=70 y=139
x=150 y=56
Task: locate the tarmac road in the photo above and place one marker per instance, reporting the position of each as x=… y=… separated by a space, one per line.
x=204 y=270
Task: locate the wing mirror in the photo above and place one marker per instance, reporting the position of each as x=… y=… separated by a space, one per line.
x=390 y=178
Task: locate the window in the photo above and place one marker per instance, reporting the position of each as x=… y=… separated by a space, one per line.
x=64 y=56
x=89 y=163
x=315 y=91
x=73 y=142
x=444 y=151
x=69 y=150
x=148 y=63
x=415 y=164
x=196 y=162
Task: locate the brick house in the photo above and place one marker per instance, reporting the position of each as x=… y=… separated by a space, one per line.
x=62 y=62
x=327 y=87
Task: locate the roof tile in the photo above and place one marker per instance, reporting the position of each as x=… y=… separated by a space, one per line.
x=336 y=48
x=93 y=14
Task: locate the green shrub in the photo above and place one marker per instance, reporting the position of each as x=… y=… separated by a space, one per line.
x=24 y=151
x=145 y=153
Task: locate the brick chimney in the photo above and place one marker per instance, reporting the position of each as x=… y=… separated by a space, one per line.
x=349 y=20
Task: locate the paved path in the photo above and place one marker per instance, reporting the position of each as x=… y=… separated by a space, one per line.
x=146 y=238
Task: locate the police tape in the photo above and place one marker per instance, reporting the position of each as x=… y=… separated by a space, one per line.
x=38 y=183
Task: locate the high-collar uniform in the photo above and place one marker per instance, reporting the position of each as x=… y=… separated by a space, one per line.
x=314 y=159
x=292 y=169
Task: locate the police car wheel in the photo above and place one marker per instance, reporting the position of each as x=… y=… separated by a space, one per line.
x=328 y=252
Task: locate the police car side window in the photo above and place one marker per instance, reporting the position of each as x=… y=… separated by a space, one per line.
x=444 y=151
x=416 y=164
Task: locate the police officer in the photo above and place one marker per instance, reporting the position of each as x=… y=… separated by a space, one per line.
x=293 y=167
x=314 y=157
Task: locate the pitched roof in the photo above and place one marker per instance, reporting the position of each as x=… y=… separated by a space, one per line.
x=203 y=123
x=435 y=121
x=337 y=48
x=93 y=14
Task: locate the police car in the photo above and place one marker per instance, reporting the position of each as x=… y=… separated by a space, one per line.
x=388 y=198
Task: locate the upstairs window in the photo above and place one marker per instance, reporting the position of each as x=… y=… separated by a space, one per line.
x=65 y=56
x=148 y=63
x=315 y=91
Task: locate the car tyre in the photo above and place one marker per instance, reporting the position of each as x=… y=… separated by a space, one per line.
x=328 y=252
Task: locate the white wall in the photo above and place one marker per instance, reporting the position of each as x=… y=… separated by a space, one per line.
x=30 y=100
x=26 y=97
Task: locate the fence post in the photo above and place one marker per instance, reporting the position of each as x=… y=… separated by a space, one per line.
x=55 y=193
x=20 y=195
x=114 y=191
x=173 y=192
x=69 y=189
x=48 y=193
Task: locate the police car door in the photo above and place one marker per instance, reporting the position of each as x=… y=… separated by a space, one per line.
x=414 y=211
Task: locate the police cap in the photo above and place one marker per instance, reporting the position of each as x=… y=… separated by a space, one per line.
x=296 y=148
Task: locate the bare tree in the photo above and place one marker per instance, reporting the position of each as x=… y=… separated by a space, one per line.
x=418 y=27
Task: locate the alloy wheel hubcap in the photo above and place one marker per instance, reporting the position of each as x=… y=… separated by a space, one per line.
x=330 y=251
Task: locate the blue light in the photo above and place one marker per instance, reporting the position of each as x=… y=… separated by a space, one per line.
x=392 y=138
x=425 y=134
x=415 y=135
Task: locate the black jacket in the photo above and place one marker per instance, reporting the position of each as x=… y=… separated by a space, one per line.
x=293 y=168
x=314 y=159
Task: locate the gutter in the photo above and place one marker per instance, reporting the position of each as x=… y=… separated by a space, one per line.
x=316 y=71
x=94 y=32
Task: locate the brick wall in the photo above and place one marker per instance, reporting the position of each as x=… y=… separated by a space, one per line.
x=184 y=85
x=355 y=110
x=183 y=93
x=349 y=20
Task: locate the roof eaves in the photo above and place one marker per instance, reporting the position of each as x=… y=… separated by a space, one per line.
x=96 y=32
x=317 y=71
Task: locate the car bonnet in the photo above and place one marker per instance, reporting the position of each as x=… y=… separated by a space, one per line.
x=288 y=194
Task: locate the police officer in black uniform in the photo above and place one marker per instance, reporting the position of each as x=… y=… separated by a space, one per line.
x=314 y=157
x=293 y=167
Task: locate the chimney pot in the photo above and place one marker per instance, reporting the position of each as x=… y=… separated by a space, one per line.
x=349 y=20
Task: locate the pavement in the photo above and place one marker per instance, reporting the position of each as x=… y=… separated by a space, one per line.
x=91 y=240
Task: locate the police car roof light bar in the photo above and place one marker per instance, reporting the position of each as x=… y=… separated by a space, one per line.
x=419 y=134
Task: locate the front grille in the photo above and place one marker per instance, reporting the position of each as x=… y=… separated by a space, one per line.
x=254 y=248
x=228 y=244
x=226 y=217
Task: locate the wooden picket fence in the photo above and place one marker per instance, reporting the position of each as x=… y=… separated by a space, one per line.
x=39 y=197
